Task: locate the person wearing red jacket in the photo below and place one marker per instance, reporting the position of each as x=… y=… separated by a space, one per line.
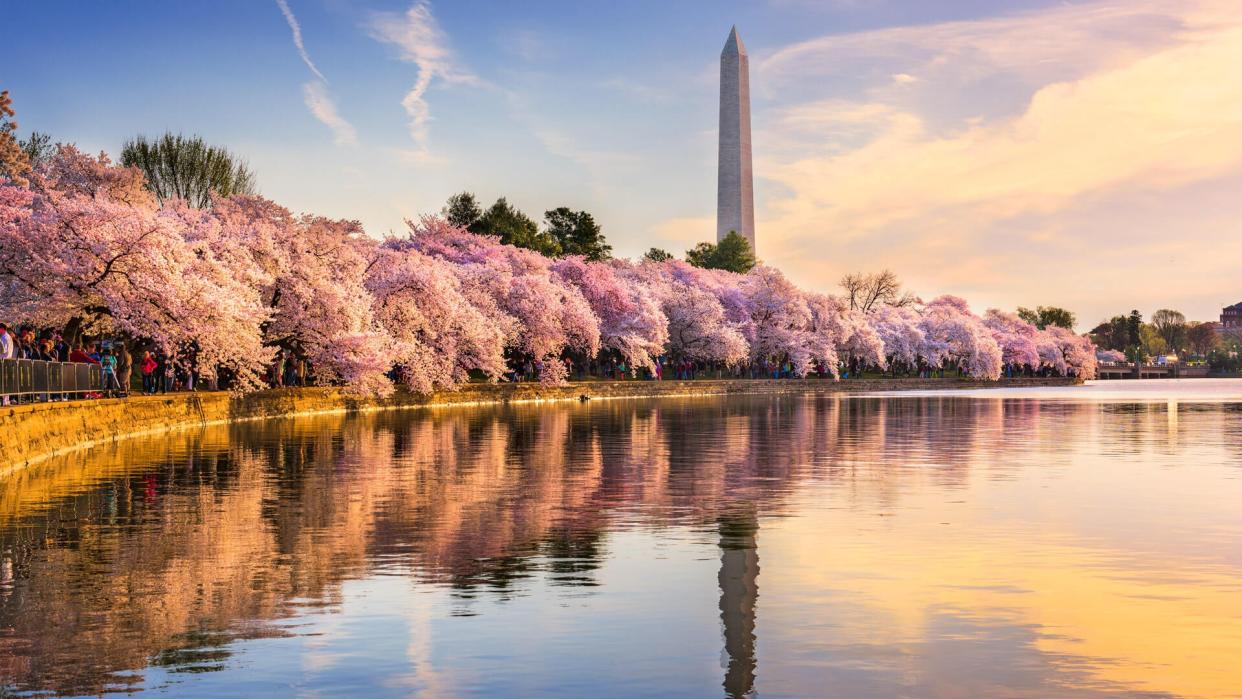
x=148 y=372
x=79 y=355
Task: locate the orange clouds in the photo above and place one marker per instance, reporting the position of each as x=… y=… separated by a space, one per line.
x=1082 y=111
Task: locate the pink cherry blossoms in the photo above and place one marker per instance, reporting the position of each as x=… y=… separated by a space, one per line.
x=85 y=247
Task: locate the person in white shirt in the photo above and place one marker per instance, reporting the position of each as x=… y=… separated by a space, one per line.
x=7 y=351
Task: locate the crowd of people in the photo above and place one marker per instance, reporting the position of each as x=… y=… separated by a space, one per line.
x=121 y=371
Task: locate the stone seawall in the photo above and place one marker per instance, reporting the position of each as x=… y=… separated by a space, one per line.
x=30 y=433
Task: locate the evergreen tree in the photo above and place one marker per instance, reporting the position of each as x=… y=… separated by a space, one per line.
x=733 y=253
x=515 y=228
x=462 y=210
x=1134 y=326
x=577 y=233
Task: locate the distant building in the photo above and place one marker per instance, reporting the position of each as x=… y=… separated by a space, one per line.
x=1231 y=317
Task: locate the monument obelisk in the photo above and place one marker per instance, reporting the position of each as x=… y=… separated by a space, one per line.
x=735 y=195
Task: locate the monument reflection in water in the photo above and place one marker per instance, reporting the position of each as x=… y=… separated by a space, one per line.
x=910 y=547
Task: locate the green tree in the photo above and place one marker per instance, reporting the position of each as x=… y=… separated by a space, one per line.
x=188 y=168
x=702 y=255
x=1113 y=334
x=515 y=228
x=1202 y=338
x=733 y=253
x=1151 y=341
x=657 y=255
x=462 y=210
x=1227 y=357
x=577 y=233
x=1134 y=324
x=1171 y=325
x=1122 y=333
x=1043 y=316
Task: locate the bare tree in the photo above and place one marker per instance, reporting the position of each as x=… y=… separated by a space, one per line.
x=866 y=291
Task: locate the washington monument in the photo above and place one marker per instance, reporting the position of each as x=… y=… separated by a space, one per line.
x=735 y=196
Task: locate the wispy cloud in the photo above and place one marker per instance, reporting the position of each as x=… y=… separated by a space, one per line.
x=315 y=92
x=297 y=38
x=419 y=40
x=324 y=109
x=528 y=45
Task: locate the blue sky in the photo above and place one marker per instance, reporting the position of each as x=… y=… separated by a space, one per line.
x=1010 y=152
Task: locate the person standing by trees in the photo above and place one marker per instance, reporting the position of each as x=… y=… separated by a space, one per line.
x=163 y=373
x=124 y=367
x=148 y=372
x=110 y=384
x=80 y=356
x=6 y=349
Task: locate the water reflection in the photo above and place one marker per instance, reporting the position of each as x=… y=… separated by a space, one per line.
x=739 y=592
x=916 y=546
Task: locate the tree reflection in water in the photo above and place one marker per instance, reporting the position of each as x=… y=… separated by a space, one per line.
x=163 y=552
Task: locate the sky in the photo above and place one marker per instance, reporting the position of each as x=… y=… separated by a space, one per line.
x=1016 y=153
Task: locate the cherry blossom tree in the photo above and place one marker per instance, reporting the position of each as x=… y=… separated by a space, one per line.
x=438 y=335
x=822 y=332
x=85 y=246
x=855 y=337
x=630 y=319
x=1050 y=355
x=78 y=258
x=1078 y=351
x=957 y=336
x=777 y=319
x=70 y=171
x=1016 y=338
x=697 y=327
x=545 y=316
x=310 y=272
x=899 y=330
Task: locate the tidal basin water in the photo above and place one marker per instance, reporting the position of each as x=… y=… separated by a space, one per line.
x=1082 y=542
